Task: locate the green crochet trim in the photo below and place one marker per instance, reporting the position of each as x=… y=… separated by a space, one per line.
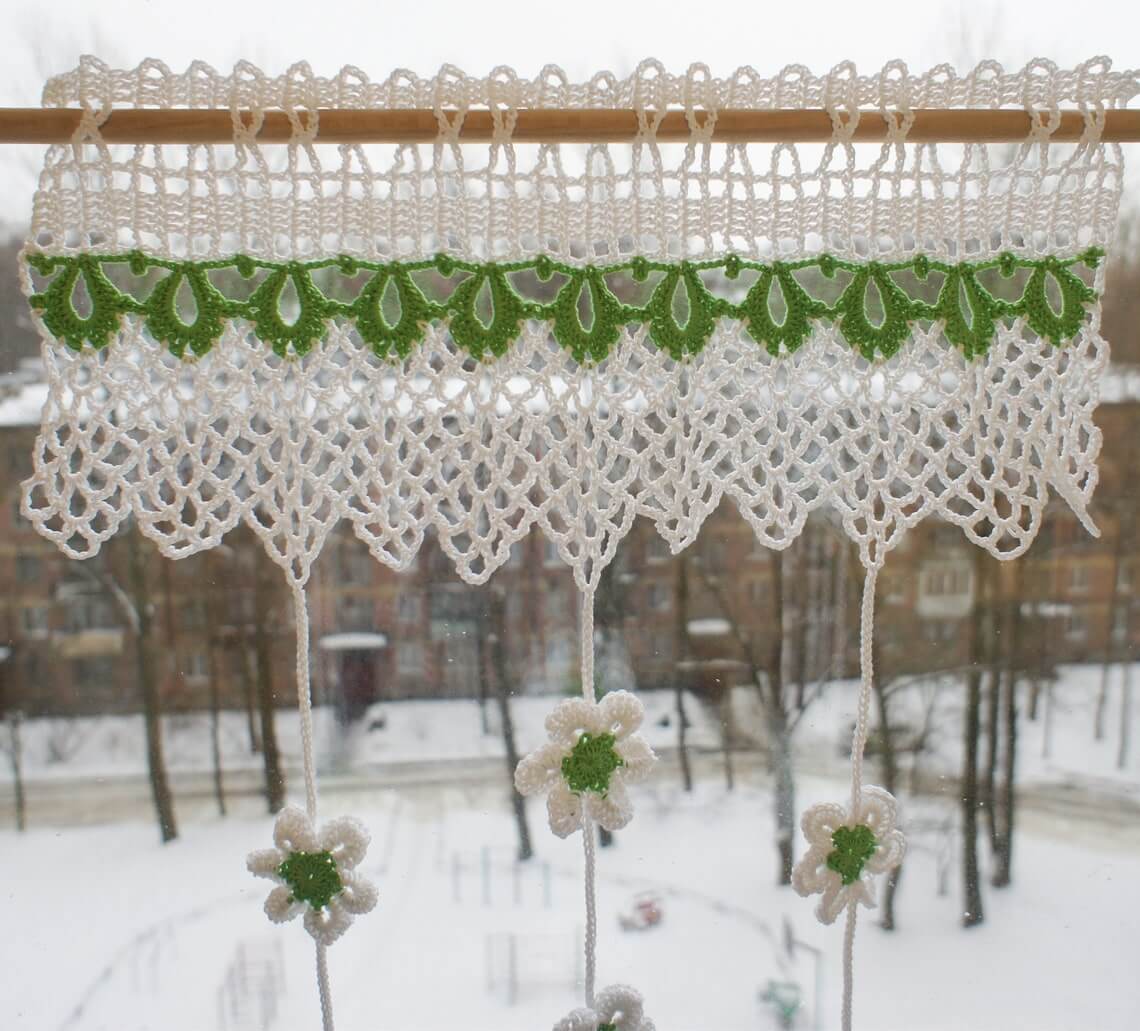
x=312 y=877
x=607 y=1027
x=853 y=847
x=485 y=309
x=591 y=762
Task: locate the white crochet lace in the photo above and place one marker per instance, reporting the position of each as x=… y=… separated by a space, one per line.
x=481 y=449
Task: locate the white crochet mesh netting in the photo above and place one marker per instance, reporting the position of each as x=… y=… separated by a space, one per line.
x=482 y=450
x=596 y=333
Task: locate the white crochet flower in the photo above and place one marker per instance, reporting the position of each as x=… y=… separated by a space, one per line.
x=617 y=1008
x=315 y=873
x=846 y=852
x=592 y=754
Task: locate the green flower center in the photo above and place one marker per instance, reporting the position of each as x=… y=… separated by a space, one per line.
x=312 y=877
x=853 y=847
x=589 y=765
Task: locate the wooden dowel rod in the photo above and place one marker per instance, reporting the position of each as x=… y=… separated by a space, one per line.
x=182 y=125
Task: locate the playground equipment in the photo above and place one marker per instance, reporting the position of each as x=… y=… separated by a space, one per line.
x=647 y=912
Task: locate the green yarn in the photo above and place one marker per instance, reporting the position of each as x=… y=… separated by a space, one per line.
x=591 y=762
x=607 y=1027
x=853 y=847
x=312 y=877
x=967 y=310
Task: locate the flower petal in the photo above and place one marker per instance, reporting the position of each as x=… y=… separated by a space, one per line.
x=878 y=810
x=621 y=713
x=613 y=810
x=328 y=924
x=638 y=759
x=280 y=906
x=820 y=821
x=347 y=839
x=811 y=873
x=889 y=854
x=579 y=1020
x=564 y=809
x=263 y=862
x=834 y=901
x=540 y=770
x=569 y=719
x=621 y=1005
x=293 y=832
x=359 y=895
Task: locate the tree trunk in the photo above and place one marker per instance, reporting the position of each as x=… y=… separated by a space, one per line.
x=972 y=913
x=726 y=735
x=249 y=692
x=215 y=711
x=785 y=799
x=1102 y=694
x=502 y=692
x=150 y=692
x=271 y=756
x=16 y=757
x=1006 y=800
x=1125 y=718
x=682 y=673
x=778 y=732
x=993 y=709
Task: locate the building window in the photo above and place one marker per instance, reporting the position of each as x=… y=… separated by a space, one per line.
x=409 y=658
x=88 y=613
x=1076 y=629
x=656 y=548
x=661 y=647
x=197 y=665
x=946 y=580
x=656 y=597
x=756 y=592
x=1124 y=578
x=408 y=607
x=1120 y=623
x=194 y=614
x=354 y=614
x=96 y=671
x=557 y=611
x=28 y=568
x=550 y=555
x=1079 y=578
x=712 y=554
x=34 y=619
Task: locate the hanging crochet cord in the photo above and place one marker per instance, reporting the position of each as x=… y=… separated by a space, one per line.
x=341 y=364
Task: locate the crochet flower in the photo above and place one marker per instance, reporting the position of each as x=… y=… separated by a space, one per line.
x=593 y=752
x=617 y=1008
x=845 y=852
x=315 y=873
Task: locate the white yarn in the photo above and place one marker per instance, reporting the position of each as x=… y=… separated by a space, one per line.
x=479 y=453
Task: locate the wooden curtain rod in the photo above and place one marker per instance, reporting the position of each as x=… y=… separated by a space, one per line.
x=548 y=125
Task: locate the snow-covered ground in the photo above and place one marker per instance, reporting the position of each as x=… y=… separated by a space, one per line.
x=108 y=929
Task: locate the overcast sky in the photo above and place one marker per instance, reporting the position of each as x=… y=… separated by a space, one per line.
x=40 y=38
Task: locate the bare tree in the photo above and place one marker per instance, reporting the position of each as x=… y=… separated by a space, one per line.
x=266 y=703
x=502 y=697
x=972 y=912
x=684 y=653
x=15 y=749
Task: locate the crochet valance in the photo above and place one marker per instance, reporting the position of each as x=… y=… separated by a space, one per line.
x=471 y=341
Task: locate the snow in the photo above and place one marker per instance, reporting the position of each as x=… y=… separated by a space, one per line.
x=709 y=627
x=23 y=407
x=110 y=929
x=352 y=641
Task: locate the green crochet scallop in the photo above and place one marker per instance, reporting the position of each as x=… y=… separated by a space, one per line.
x=967 y=310
x=312 y=877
